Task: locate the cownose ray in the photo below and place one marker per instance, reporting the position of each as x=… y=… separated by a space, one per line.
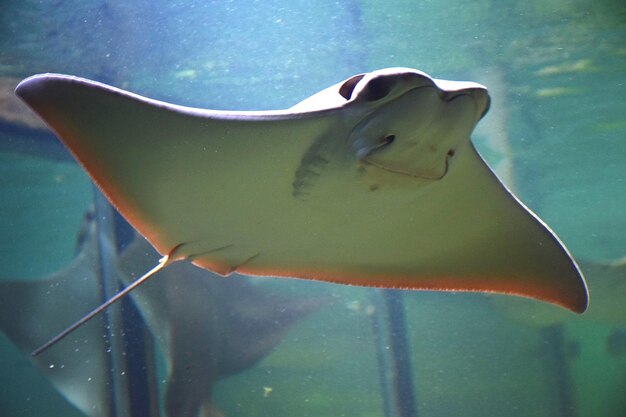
x=222 y=327
x=373 y=181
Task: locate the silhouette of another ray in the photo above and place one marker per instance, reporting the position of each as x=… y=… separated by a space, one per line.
x=208 y=327
x=78 y=369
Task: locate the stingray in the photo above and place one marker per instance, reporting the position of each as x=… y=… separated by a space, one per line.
x=78 y=369
x=373 y=181
x=222 y=327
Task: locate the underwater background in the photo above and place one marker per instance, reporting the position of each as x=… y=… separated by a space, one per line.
x=555 y=133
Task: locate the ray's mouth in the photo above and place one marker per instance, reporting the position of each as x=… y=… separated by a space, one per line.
x=449 y=155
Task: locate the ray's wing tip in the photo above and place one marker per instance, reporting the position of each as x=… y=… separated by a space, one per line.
x=581 y=303
x=578 y=299
x=36 y=84
x=581 y=306
x=577 y=305
x=25 y=88
x=33 y=85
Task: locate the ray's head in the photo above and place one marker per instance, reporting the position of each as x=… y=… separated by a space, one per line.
x=413 y=125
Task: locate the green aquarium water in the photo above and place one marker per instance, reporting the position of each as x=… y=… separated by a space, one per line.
x=192 y=344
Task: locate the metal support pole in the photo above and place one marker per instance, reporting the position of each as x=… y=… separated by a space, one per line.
x=394 y=360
